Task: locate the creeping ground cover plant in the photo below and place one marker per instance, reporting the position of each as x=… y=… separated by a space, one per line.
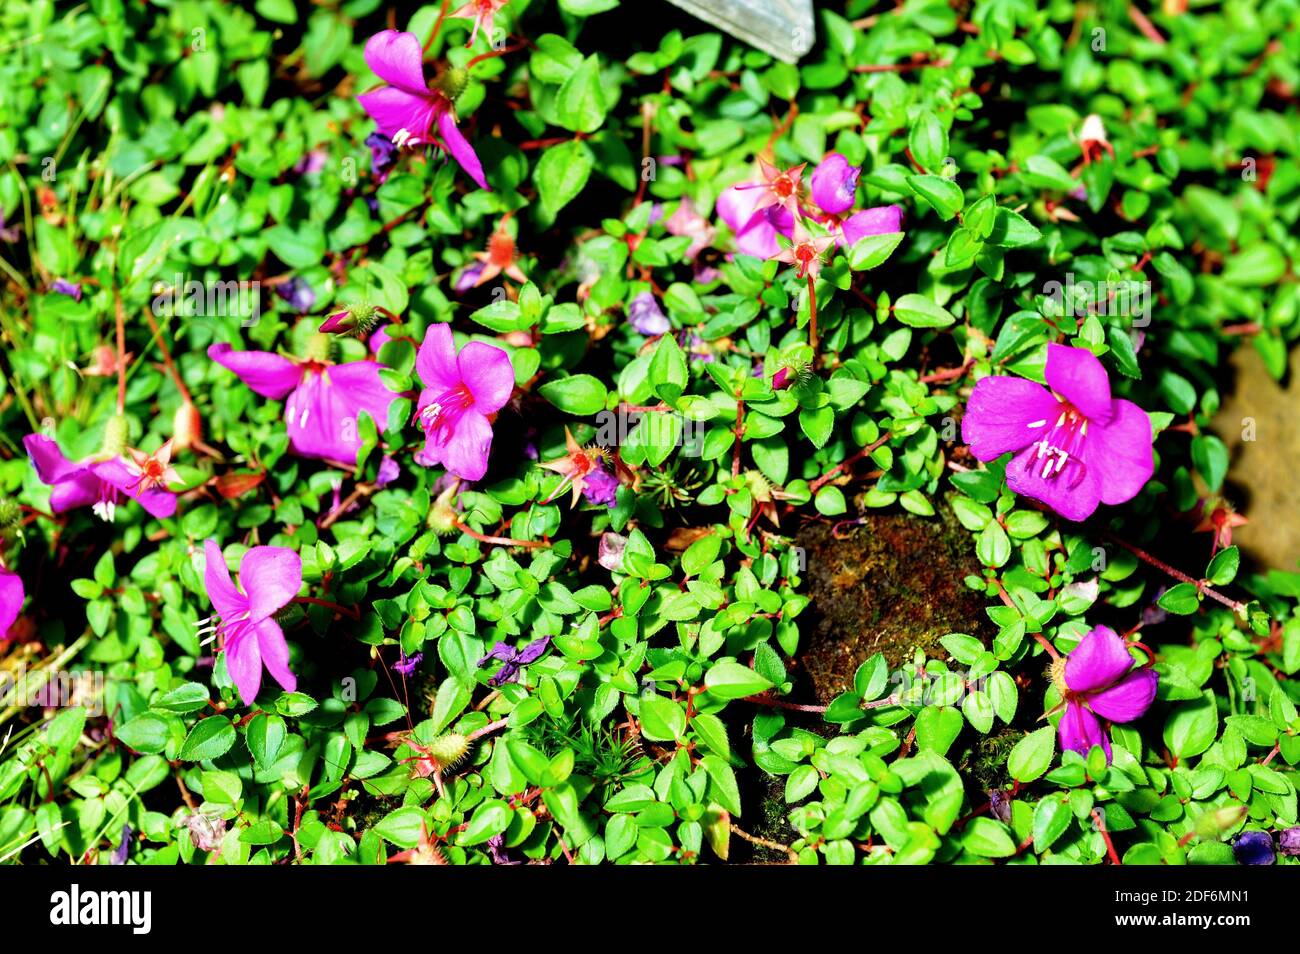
x=536 y=432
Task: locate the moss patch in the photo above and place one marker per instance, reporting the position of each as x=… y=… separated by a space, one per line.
x=891 y=585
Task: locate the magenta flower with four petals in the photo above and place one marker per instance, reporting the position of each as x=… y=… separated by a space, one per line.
x=323 y=400
x=11 y=600
x=460 y=391
x=1099 y=679
x=1075 y=446
x=407 y=111
x=102 y=484
x=251 y=638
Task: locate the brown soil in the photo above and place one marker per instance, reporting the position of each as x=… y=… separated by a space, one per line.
x=1257 y=422
x=894 y=585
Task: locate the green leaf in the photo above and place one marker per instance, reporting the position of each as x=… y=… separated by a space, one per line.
x=873 y=250
x=918 y=311
x=1223 y=568
x=928 y=141
x=578 y=394
x=1032 y=755
x=1012 y=230
x=580 y=103
x=731 y=680
x=988 y=839
x=1192 y=727
x=1182 y=599
x=1052 y=817
x=209 y=739
x=561 y=174
x=662 y=719
x=942 y=195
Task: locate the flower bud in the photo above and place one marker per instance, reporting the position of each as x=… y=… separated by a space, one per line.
x=187 y=426
x=452 y=81
x=356 y=320
x=115 y=435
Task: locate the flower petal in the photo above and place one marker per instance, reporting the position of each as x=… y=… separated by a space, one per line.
x=51 y=466
x=1079 y=730
x=1119 y=452
x=880 y=220
x=11 y=599
x=270 y=375
x=320 y=422
x=271 y=577
x=436 y=360
x=244 y=665
x=397 y=58
x=1073 y=493
x=1002 y=412
x=226 y=600
x=736 y=206
x=487 y=372
x=79 y=490
x=362 y=389
x=1100 y=660
x=394 y=110
x=275 y=653
x=1128 y=699
x=835 y=183
x=1077 y=375
x=156 y=500
x=466 y=453
x=460 y=149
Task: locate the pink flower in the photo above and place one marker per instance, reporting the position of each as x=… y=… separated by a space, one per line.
x=103 y=484
x=483 y=13
x=1098 y=679
x=1075 y=445
x=270 y=577
x=686 y=221
x=460 y=392
x=323 y=400
x=806 y=252
x=11 y=600
x=835 y=184
x=407 y=110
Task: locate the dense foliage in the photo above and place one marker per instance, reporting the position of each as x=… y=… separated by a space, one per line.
x=603 y=659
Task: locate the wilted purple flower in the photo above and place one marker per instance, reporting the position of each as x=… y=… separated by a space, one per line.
x=297 y=293
x=835 y=184
x=123 y=849
x=1253 y=848
x=1099 y=679
x=11 y=600
x=469 y=276
x=513 y=659
x=65 y=287
x=686 y=221
x=9 y=234
x=601 y=487
x=383 y=155
x=496 y=846
x=270 y=577
x=407 y=664
x=610 y=552
x=311 y=163
x=1000 y=805
x=206 y=831
x=647 y=317
x=1288 y=842
x=389 y=471
x=1075 y=445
